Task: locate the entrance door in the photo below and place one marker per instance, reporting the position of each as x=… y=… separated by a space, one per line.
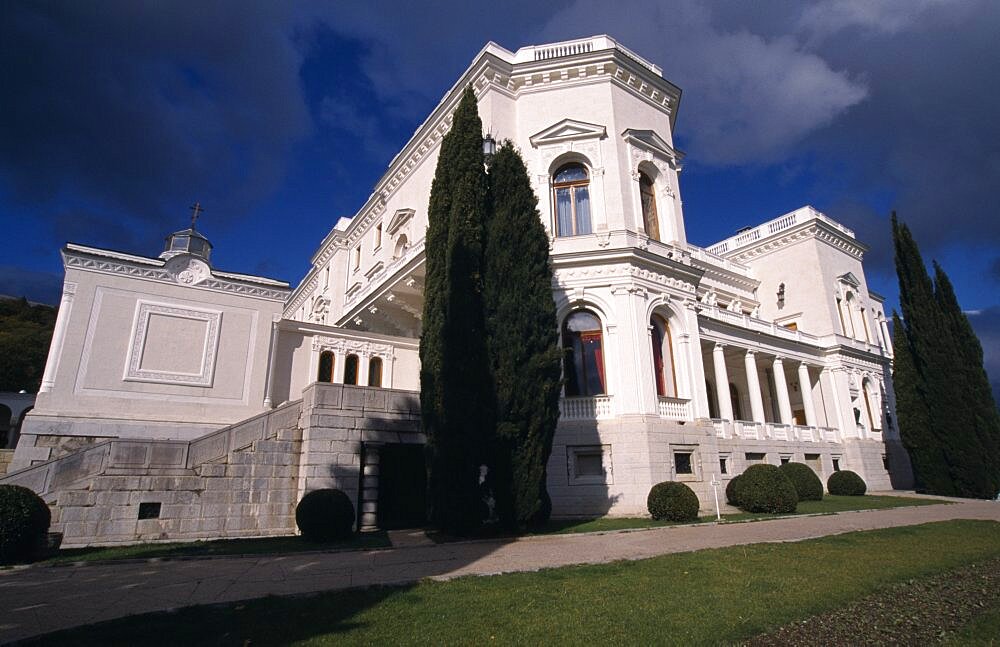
x=402 y=487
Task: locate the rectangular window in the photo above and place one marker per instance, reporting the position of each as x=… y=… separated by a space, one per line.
x=378 y=236
x=357 y=258
x=755 y=458
x=813 y=461
x=682 y=463
x=836 y=464
x=723 y=464
x=785 y=459
x=589 y=464
x=149 y=510
x=326 y=278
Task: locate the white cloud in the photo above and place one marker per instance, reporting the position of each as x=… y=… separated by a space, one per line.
x=747 y=98
x=881 y=16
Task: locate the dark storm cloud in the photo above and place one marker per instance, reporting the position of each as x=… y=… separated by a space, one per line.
x=986 y=323
x=143 y=106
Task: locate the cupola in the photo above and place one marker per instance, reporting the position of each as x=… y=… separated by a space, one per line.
x=188 y=241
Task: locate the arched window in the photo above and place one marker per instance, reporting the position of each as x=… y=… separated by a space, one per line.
x=734 y=397
x=401 y=246
x=873 y=421
x=649 y=219
x=663 y=357
x=351 y=369
x=584 y=362
x=571 y=186
x=325 y=373
x=375 y=371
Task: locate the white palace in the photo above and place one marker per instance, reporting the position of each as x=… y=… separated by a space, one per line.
x=180 y=400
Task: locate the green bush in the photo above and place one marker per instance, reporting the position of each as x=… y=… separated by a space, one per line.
x=672 y=501
x=846 y=483
x=24 y=524
x=807 y=484
x=325 y=515
x=763 y=488
x=733 y=491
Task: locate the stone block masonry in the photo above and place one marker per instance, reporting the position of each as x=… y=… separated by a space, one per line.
x=240 y=481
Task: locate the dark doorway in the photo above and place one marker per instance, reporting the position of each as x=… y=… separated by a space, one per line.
x=402 y=486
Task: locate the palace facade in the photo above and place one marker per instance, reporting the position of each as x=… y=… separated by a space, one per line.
x=683 y=363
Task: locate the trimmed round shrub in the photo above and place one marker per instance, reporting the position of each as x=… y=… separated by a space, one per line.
x=846 y=483
x=807 y=484
x=672 y=501
x=733 y=491
x=763 y=488
x=325 y=515
x=24 y=524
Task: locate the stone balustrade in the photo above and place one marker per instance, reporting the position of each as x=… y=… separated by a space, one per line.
x=586 y=408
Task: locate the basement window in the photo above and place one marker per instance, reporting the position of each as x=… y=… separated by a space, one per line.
x=589 y=464
x=149 y=510
x=682 y=463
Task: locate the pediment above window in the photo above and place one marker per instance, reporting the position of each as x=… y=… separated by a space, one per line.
x=400 y=218
x=649 y=141
x=568 y=130
x=850 y=280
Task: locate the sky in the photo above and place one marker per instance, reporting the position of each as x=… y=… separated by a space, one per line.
x=279 y=118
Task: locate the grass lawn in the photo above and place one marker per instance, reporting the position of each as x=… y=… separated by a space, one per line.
x=706 y=597
x=250 y=546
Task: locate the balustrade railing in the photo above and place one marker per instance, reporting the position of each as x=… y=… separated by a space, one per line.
x=674 y=408
x=585 y=408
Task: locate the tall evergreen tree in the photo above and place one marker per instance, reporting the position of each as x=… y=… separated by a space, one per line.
x=949 y=455
x=523 y=343
x=456 y=394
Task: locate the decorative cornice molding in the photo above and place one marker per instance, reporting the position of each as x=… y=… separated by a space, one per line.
x=360 y=347
x=184 y=270
x=816 y=230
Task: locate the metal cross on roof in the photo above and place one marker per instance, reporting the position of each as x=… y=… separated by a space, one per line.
x=196 y=210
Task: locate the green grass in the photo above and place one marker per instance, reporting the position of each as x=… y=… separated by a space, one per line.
x=984 y=630
x=701 y=598
x=218 y=547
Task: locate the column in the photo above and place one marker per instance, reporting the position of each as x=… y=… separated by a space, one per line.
x=369 y=487
x=781 y=386
x=807 y=397
x=58 y=336
x=722 y=383
x=363 y=369
x=272 y=356
x=753 y=386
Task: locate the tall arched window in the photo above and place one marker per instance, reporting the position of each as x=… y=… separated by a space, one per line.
x=571 y=186
x=351 y=369
x=649 y=219
x=734 y=398
x=713 y=401
x=325 y=373
x=584 y=362
x=663 y=357
x=873 y=421
x=375 y=371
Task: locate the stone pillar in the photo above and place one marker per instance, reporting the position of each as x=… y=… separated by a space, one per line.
x=722 y=383
x=753 y=386
x=363 y=359
x=781 y=386
x=58 y=335
x=271 y=358
x=805 y=384
x=369 y=487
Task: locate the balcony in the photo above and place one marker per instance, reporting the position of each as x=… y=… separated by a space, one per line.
x=674 y=408
x=586 y=408
x=749 y=430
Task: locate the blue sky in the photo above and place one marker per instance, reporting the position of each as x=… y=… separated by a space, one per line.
x=279 y=119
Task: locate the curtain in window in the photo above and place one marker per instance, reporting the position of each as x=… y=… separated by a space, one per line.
x=582 y=210
x=584 y=362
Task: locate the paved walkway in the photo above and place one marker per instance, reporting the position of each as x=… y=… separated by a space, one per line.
x=42 y=599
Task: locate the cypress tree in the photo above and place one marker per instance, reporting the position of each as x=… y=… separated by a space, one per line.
x=456 y=395
x=958 y=462
x=523 y=343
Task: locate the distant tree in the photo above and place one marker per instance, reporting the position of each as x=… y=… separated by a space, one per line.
x=456 y=394
x=523 y=343
x=939 y=409
x=25 y=335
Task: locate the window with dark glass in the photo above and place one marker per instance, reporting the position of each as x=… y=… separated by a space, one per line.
x=663 y=358
x=682 y=463
x=723 y=465
x=649 y=218
x=571 y=188
x=351 y=369
x=375 y=371
x=734 y=398
x=584 y=360
x=325 y=373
